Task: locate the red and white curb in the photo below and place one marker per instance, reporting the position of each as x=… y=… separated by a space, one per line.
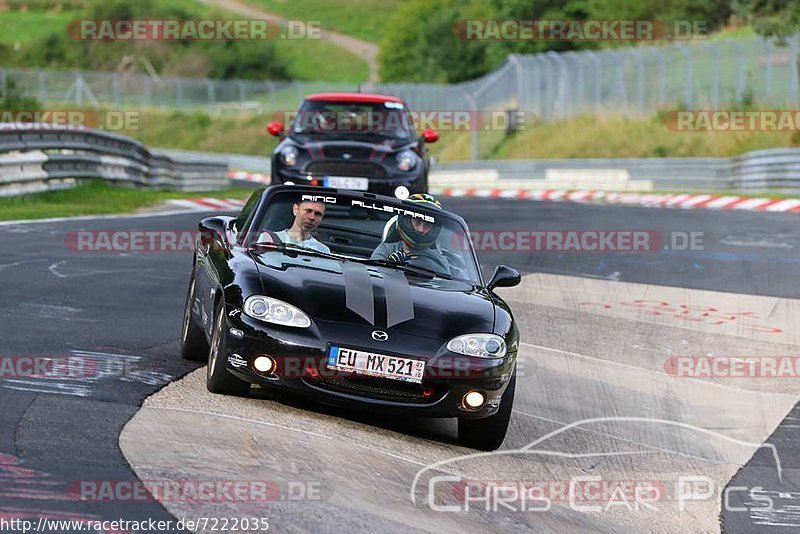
x=209 y=204
x=682 y=201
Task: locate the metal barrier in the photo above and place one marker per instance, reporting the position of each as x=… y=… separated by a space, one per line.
x=42 y=157
x=764 y=171
x=773 y=170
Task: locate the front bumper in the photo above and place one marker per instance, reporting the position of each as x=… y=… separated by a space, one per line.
x=301 y=357
x=383 y=186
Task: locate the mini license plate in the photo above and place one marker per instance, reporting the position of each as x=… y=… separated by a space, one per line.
x=346 y=182
x=372 y=364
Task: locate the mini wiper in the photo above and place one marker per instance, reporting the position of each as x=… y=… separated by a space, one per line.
x=422 y=271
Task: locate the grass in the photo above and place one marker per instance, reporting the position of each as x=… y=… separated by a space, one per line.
x=314 y=60
x=307 y=59
x=588 y=137
x=96 y=198
x=583 y=137
x=337 y=15
x=24 y=27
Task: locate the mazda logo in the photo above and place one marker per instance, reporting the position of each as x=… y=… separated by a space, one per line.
x=379 y=335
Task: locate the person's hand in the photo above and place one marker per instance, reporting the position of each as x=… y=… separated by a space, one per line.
x=397 y=256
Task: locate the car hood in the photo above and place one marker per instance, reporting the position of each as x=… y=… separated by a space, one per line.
x=381 y=297
x=322 y=147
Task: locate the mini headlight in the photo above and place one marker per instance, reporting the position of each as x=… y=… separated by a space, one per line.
x=289 y=155
x=481 y=345
x=406 y=160
x=275 y=311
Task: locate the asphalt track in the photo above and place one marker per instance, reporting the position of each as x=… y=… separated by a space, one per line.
x=591 y=359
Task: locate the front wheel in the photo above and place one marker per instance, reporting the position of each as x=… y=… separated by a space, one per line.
x=218 y=379
x=193 y=340
x=488 y=434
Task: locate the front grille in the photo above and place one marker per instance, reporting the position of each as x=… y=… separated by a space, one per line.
x=378 y=388
x=346 y=168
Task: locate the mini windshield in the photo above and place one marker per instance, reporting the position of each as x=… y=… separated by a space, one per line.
x=368 y=231
x=386 y=120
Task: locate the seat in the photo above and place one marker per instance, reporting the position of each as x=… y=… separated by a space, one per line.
x=390 y=233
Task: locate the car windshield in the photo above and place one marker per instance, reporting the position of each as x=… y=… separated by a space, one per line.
x=351 y=228
x=383 y=120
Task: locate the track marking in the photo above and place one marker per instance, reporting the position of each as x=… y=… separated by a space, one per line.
x=630 y=441
x=284 y=427
x=644 y=369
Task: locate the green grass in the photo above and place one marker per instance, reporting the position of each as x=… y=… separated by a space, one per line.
x=314 y=60
x=96 y=198
x=24 y=27
x=307 y=59
x=359 y=18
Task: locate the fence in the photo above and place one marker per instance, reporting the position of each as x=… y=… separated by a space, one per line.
x=553 y=86
x=40 y=158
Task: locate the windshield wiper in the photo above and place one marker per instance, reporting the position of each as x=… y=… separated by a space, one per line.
x=291 y=247
x=422 y=271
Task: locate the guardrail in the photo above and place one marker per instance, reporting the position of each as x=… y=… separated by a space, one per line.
x=768 y=171
x=43 y=157
x=772 y=170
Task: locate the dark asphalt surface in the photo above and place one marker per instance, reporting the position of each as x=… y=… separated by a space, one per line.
x=120 y=314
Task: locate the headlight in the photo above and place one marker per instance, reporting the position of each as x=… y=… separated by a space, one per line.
x=481 y=345
x=406 y=160
x=275 y=311
x=289 y=155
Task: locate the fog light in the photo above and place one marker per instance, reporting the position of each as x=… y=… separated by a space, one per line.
x=263 y=364
x=238 y=334
x=474 y=400
x=401 y=192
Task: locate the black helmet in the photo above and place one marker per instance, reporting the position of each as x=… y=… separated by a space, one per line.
x=405 y=228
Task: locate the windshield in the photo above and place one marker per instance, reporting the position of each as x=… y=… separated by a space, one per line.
x=387 y=120
x=420 y=241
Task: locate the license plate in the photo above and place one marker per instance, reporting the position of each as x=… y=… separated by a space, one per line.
x=371 y=364
x=346 y=182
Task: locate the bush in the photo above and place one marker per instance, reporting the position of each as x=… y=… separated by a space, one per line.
x=12 y=99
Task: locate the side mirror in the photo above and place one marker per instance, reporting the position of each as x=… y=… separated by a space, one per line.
x=275 y=128
x=504 y=276
x=429 y=135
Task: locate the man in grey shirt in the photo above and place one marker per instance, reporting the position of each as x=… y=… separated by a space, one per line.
x=307 y=217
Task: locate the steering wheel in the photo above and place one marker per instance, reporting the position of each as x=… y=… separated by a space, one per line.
x=455 y=260
x=431 y=259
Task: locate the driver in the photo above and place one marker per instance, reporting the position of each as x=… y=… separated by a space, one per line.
x=307 y=217
x=417 y=237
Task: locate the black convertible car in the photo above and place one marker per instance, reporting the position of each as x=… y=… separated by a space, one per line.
x=357 y=300
x=358 y=141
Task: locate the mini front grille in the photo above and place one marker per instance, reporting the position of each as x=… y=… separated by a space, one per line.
x=346 y=168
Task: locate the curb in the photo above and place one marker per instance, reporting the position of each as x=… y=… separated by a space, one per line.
x=681 y=201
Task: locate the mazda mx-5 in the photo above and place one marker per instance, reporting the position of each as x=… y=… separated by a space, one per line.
x=356 y=300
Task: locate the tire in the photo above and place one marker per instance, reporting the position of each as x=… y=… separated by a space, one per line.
x=488 y=434
x=218 y=379
x=194 y=345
